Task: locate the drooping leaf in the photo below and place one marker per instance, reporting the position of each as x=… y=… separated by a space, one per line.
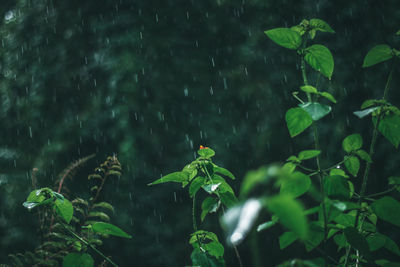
x=209 y=205
x=362 y=113
x=387 y=209
x=336 y=187
x=309 y=89
x=308 y=154
x=320 y=58
x=74 y=259
x=316 y=110
x=206 y=152
x=357 y=240
x=196 y=184
x=297 y=120
x=315 y=235
x=104 y=205
x=64 y=209
x=228 y=199
x=352 y=164
x=375 y=241
x=321 y=25
x=389 y=127
x=338 y=171
x=223 y=171
x=328 y=96
x=363 y=155
x=290 y=213
x=177 y=177
x=286 y=239
x=352 y=142
x=285 y=37
x=377 y=54
x=295 y=184
x=109 y=229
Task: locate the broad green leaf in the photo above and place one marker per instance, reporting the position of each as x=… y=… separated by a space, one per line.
x=338 y=172
x=74 y=259
x=391 y=246
x=387 y=209
x=228 y=199
x=177 y=177
x=362 y=154
x=320 y=58
x=196 y=184
x=285 y=37
x=290 y=213
x=209 y=205
x=340 y=240
x=375 y=241
x=336 y=187
x=298 y=28
x=352 y=164
x=294 y=159
x=295 y=184
x=309 y=89
x=389 y=127
x=206 y=152
x=371 y=102
x=214 y=249
x=288 y=167
x=316 y=110
x=297 y=120
x=362 y=113
x=39 y=195
x=346 y=219
x=258 y=177
x=357 y=240
x=352 y=142
x=208 y=242
x=328 y=96
x=64 y=209
x=223 y=171
x=315 y=235
x=308 y=154
x=321 y=25
x=286 y=239
x=224 y=186
x=201 y=258
x=377 y=54
x=109 y=229
x=104 y=205
x=211 y=188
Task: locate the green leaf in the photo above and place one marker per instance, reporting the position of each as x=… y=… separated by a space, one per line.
x=328 y=96
x=387 y=209
x=290 y=213
x=78 y=260
x=338 y=172
x=206 y=152
x=64 y=209
x=104 y=205
x=336 y=187
x=362 y=154
x=255 y=178
x=352 y=142
x=295 y=184
x=177 y=177
x=377 y=54
x=297 y=120
x=228 y=199
x=391 y=246
x=208 y=242
x=357 y=240
x=321 y=25
x=201 y=258
x=375 y=241
x=308 y=154
x=320 y=58
x=109 y=229
x=209 y=205
x=352 y=164
x=309 y=89
x=196 y=184
x=286 y=239
x=211 y=188
x=223 y=171
x=285 y=37
x=316 y=110
x=362 y=113
x=389 y=127
x=315 y=235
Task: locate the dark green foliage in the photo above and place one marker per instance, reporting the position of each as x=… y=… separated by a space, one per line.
x=79 y=225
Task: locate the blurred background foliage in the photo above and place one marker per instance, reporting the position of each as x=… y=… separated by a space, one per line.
x=151 y=81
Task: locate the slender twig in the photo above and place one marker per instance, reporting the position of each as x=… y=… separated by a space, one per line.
x=307 y=169
x=380 y=193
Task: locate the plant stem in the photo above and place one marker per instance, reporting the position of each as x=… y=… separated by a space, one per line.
x=194 y=213
x=380 y=193
x=88 y=244
x=371 y=152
